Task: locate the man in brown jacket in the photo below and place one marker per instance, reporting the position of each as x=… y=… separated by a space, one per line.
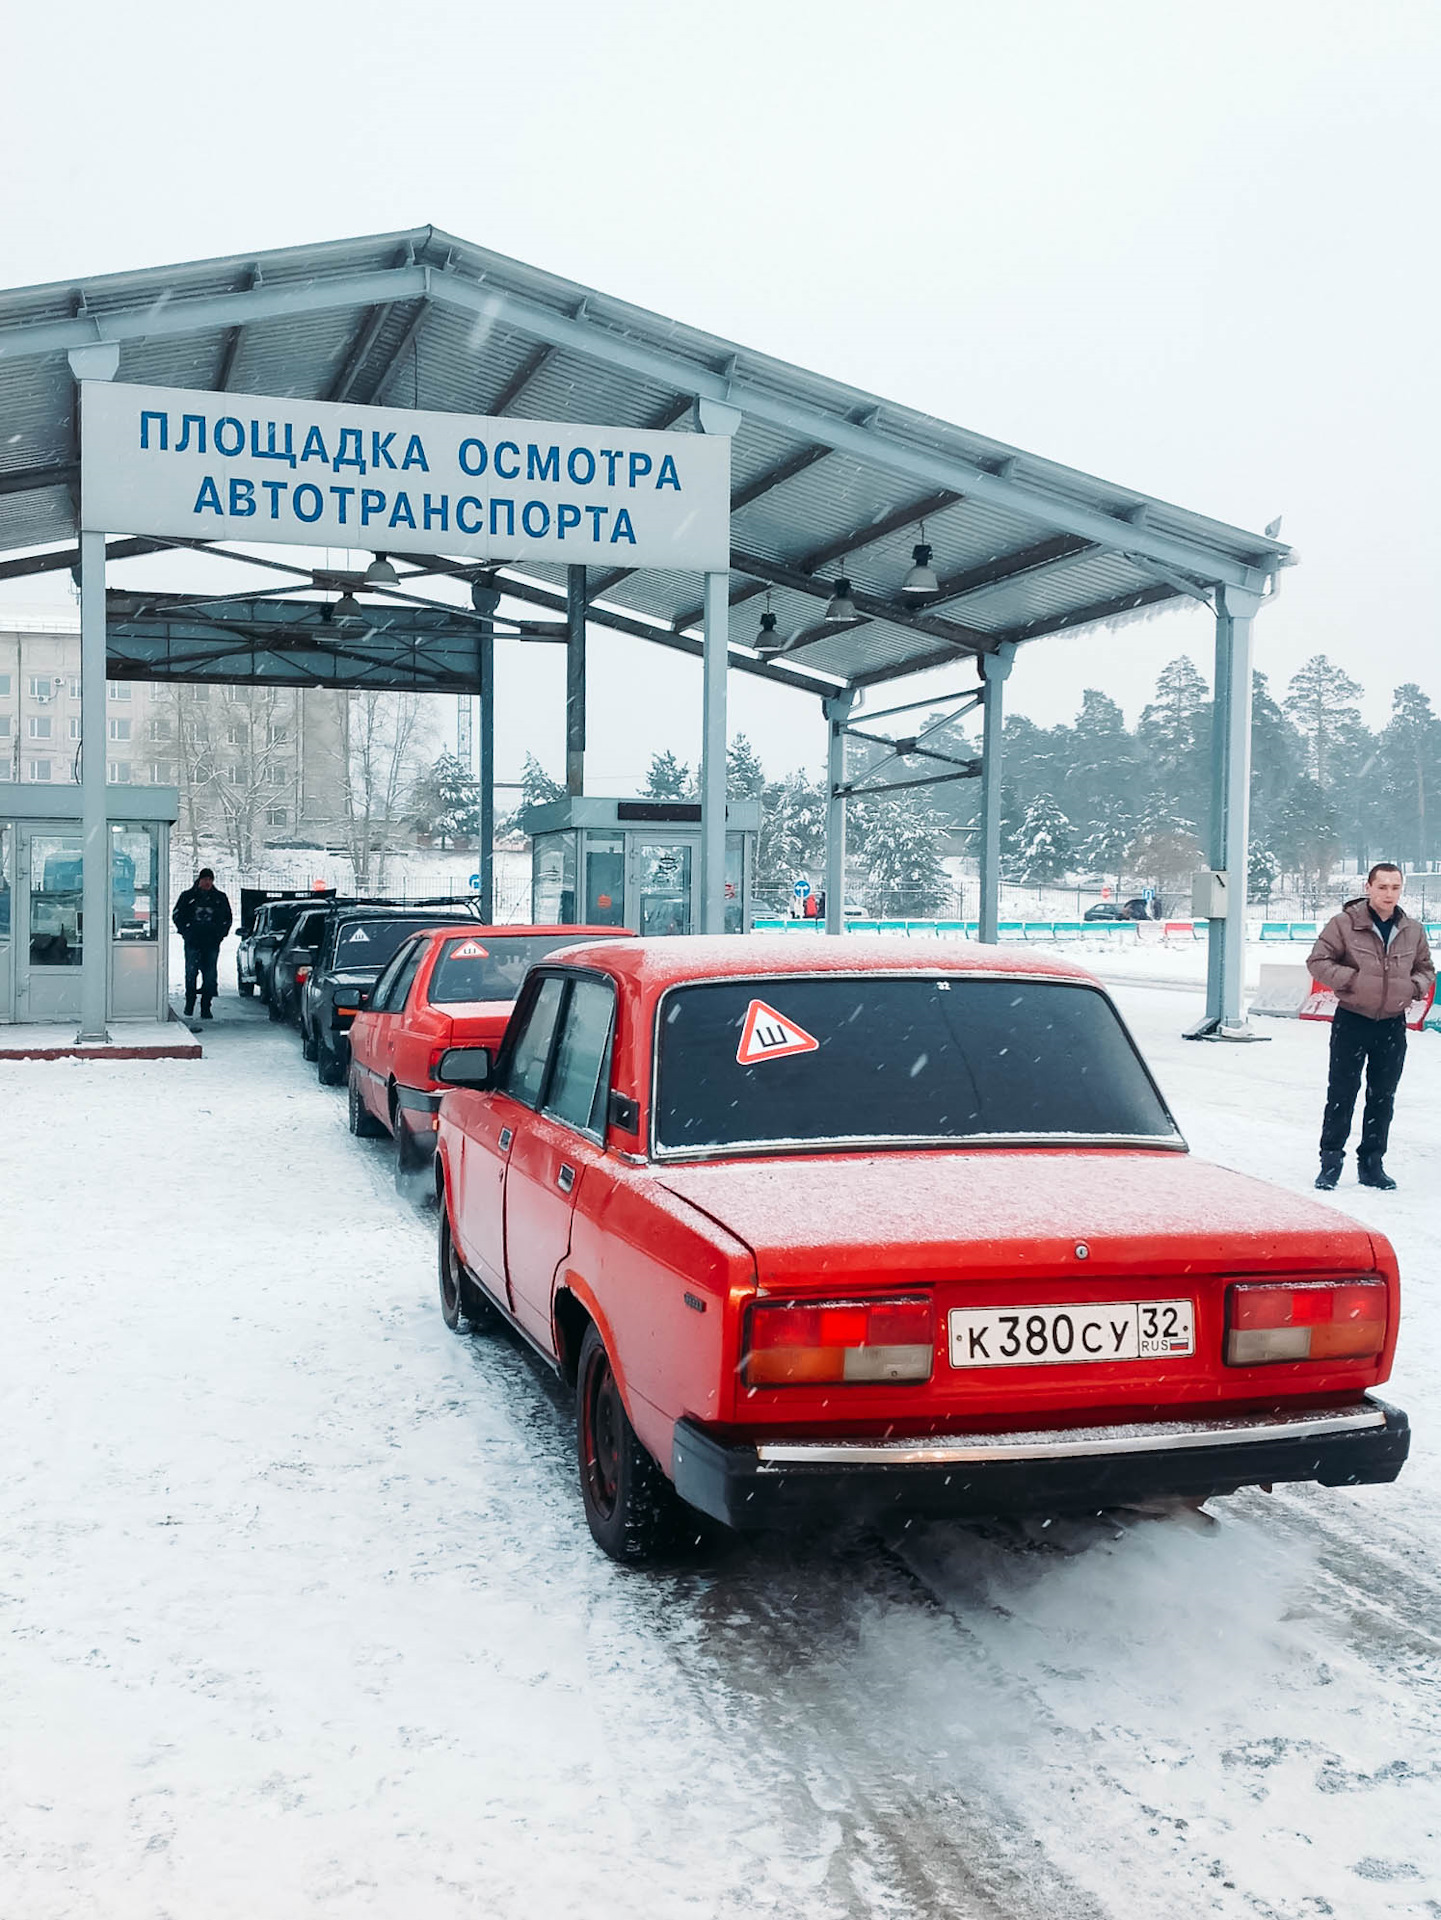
x=1375 y=959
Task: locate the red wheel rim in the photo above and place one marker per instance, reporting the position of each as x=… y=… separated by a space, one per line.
x=601 y=1414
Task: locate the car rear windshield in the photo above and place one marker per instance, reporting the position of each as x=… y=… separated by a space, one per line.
x=748 y=1063
x=370 y=943
x=490 y=965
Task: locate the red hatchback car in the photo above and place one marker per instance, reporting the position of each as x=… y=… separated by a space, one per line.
x=822 y=1224
x=446 y=986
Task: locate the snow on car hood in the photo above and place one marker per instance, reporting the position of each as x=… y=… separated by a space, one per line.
x=995 y=1213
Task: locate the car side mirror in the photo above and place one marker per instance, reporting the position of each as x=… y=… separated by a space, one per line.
x=464 y=1067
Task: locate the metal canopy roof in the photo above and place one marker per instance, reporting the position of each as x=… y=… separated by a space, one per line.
x=826 y=479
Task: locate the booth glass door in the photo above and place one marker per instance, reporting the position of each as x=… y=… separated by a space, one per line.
x=662 y=885
x=7 y=921
x=46 y=943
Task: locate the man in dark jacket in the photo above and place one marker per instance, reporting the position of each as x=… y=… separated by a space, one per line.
x=1375 y=959
x=202 y=918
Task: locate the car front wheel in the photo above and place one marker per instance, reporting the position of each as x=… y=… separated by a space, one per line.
x=634 y=1513
x=363 y=1122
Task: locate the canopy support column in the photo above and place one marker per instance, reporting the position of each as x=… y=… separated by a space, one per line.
x=485 y=598
x=575 y=680
x=995 y=669
x=95 y=896
x=713 y=754
x=1229 y=840
x=837 y=710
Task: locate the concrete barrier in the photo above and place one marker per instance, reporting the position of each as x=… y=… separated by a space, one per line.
x=1282 y=992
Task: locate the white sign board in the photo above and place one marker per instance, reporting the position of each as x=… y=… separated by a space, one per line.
x=227 y=466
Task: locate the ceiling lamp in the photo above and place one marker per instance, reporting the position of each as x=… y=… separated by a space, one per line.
x=348 y=608
x=841 y=606
x=380 y=573
x=921 y=582
x=767 y=640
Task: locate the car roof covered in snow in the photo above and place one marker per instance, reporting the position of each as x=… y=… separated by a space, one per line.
x=653 y=965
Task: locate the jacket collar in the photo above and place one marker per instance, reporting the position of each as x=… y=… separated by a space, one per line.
x=1359 y=914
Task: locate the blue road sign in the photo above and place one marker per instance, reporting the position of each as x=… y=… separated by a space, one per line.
x=802 y=889
x=475 y=882
x=1148 y=894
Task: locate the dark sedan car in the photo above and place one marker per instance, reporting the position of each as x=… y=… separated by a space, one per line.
x=294 y=961
x=261 y=941
x=1137 y=909
x=357 y=943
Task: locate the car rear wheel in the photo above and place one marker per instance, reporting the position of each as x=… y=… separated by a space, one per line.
x=328 y=1065
x=308 y=1048
x=463 y=1306
x=273 y=1007
x=247 y=987
x=363 y=1123
x=634 y=1513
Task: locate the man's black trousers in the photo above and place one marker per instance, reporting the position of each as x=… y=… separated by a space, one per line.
x=1378 y=1046
x=200 y=971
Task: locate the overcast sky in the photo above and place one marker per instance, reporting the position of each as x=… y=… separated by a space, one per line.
x=1191 y=249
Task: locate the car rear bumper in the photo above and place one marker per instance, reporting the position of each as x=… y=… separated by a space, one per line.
x=415 y=1111
x=1076 y=1469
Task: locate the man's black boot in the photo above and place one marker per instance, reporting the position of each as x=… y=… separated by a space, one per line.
x=1331 y=1164
x=189 y=1005
x=205 y=1013
x=1371 y=1173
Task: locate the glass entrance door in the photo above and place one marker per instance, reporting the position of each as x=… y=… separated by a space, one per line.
x=46 y=944
x=7 y=914
x=662 y=886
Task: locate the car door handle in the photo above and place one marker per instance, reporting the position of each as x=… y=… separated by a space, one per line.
x=565 y=1179
x=506 y=1136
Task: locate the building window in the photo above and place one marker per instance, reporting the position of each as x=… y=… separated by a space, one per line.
x=235 y=736
x=4 y=726
x=277 y=817
x=39 y=726
x=159 y=729
x=41 y=686
x=236 y=774
x=162 y=773
x=277 y=733
x=74 y=689
x=75 y=729
x=4 y=685
x=118 y=773
x=39 y=769
x=119 y=729
x=276 y=775
x=119 y=689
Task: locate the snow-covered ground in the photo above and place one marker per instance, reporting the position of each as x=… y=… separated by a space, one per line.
x=301 y=1617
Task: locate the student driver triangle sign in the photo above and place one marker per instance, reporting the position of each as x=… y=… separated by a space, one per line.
x=768 y=1035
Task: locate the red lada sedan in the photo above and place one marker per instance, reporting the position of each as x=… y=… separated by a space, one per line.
x=445 y=987
x=817 y=1224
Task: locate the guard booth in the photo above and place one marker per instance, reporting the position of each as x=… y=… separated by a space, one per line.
x=42 y=913
x=634 y=863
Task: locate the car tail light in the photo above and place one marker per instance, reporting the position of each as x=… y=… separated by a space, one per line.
x=302 y=974
x=798 y=1343
x=1307 y=1320
x=433 y=1060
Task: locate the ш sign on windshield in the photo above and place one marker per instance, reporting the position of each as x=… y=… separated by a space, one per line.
x=224 y=466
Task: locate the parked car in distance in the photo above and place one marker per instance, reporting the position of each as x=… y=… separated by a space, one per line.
x=1137 y=909
x=824 y=1226
x=442 y=989
x=258 y=946
x=358 y=943
x=293 y=961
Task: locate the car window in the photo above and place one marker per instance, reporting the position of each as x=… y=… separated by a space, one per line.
x=574 y=1094
x=380 y=999
x=489 y=965
x=308 y=932
x=411 y=958
x=369 y=943
x=877 y=1058
x=530 y=1055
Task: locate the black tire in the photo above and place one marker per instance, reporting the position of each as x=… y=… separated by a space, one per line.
x=363 y=1123
x=463 y=1305
x=634 y=1513
x=308 y=1047
x=246 y=987
x=329 y=1067
x=272 y=1007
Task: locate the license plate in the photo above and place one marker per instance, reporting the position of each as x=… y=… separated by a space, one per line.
x=1054 y=1336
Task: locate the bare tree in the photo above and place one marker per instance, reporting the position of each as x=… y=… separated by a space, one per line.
x=384 y=741
x=237 y=760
